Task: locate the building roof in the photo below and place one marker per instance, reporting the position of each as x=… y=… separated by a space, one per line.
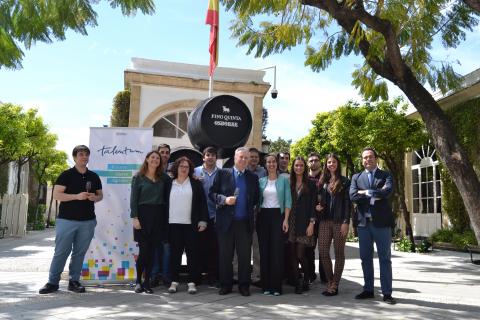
x=469 y=89
x=193 y=71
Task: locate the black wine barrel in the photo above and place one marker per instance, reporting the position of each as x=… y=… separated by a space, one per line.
x=195 y=156
x=223 y=122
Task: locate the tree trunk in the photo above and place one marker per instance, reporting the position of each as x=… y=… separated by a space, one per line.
x=50 y=208
x=19 y=174
x=448 y=148
x=395 y=165
x=37 y=201
x=350 y=166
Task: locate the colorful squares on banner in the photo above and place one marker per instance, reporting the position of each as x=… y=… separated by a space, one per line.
x=125 y=264
x=91 y=263
x=86 y=273
x=131 y=273
x=120 y=272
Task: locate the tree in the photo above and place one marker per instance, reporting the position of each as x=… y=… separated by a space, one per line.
x=47 y=165
x=264 y=122
x=338 y=131
x=23 y=22
x=280 y=145
x=12 y=133
x=394 y=38
x=38 y=140
x=120 y=109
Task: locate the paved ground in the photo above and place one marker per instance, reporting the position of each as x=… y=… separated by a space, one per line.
x=438 y=285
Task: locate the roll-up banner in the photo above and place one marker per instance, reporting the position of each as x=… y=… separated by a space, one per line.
x=116 y=154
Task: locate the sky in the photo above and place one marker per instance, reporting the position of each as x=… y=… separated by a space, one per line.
x=72 y=82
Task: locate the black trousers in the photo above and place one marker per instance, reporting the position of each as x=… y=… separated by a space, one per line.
x=184 y=237
x=208 y=246
x=310 y=255
x=238 y=237
x=270 y=242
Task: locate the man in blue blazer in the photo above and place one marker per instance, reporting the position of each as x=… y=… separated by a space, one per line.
x=371 y=190
x=235 y=192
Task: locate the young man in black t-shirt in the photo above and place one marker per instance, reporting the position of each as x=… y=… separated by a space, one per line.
x=78 y=189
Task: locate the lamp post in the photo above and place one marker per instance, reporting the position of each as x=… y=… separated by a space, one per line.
x=274 y=91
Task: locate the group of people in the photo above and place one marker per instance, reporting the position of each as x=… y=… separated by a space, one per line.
x=214 y=214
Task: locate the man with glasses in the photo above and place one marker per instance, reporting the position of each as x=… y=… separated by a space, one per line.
x=161 y=259
x=314 y=171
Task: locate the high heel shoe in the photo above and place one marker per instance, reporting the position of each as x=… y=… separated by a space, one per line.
x=305 y=286
x=138 y=288
x=147 y=289
x=298 y=289
x=332 y=290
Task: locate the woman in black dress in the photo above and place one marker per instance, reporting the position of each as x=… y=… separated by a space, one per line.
x=149 y=213
x=301 y=220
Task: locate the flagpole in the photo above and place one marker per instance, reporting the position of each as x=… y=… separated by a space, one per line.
x=210 y=87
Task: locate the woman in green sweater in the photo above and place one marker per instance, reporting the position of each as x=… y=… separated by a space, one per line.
x=149 y=213
x=272 y=222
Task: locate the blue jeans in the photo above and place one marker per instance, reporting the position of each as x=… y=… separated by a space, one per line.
x=163 y=250
x=383 y=238
x=71 y=236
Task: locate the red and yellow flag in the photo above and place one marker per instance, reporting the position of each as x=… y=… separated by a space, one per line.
x=213 y=20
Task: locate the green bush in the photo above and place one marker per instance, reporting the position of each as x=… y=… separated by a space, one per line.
x=461 y=240
x=442 y=235
x=39 y=223
x=423 y=246
x=458 y=239
x=351 y=237
x=404 y=245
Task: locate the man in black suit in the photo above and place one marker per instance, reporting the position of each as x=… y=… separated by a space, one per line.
x=370 y=190
x=236 y=194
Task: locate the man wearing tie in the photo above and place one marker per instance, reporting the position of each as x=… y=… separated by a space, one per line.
x=370 y=190
x=235 y=191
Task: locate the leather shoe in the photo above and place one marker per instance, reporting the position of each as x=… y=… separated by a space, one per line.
x=75 y=286
x=389 y=299
x=364 y=295
x=224 y=291
x=48 y=288
x=244 y=291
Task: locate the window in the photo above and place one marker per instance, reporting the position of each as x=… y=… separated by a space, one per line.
x=173 y=125
x=426 y=181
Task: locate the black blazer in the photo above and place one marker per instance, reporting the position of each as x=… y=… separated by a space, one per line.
x=382 y=215
x=340 y=204
x=224 y=186
x=199 y=202
x=303 y=206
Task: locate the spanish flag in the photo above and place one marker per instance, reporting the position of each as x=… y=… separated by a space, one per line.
x=213 y=20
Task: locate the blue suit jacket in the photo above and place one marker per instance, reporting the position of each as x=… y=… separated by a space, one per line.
x=382 y=188
x=224 y=186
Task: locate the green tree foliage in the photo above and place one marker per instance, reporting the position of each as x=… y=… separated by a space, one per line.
x=466 y=120
x=24 y=22
x=394 y=38
x=23 y=136
x=12 y=133
x=120 y=109
x=264 y=122
x=280 y=145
